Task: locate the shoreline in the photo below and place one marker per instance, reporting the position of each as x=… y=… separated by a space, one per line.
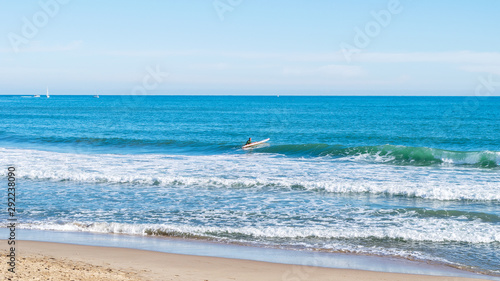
x=81 y=261
x=217 y=250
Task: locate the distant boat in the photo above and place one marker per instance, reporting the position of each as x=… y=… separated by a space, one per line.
x=36 y=96
x=48 y=92
x=96 y=96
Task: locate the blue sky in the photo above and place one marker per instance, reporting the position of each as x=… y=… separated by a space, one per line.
x=250 y=47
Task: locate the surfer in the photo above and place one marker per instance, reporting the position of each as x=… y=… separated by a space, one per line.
x=252 y=144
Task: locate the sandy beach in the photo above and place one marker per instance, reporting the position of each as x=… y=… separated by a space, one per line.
x=56 y=261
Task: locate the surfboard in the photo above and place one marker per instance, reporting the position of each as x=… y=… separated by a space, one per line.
x=254 y=144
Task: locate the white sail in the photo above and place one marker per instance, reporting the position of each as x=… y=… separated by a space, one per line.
x=48 y=92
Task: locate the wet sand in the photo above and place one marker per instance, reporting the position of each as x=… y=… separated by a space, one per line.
x=57 y=261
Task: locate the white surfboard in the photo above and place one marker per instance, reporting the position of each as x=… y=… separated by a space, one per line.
x=254 y=144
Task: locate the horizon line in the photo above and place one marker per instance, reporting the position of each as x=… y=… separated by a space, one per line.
x=255 y=95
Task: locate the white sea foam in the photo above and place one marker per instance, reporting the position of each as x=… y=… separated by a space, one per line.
x=138 y=229
x=406 y=228
x=258 y=170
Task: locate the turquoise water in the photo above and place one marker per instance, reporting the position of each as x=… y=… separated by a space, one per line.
x=408 y=177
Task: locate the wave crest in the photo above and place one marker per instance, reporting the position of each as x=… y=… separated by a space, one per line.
x=392 y=154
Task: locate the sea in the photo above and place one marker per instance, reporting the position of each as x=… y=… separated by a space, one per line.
x=413 y=178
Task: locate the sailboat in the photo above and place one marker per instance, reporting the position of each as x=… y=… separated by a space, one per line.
x=48 y=92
